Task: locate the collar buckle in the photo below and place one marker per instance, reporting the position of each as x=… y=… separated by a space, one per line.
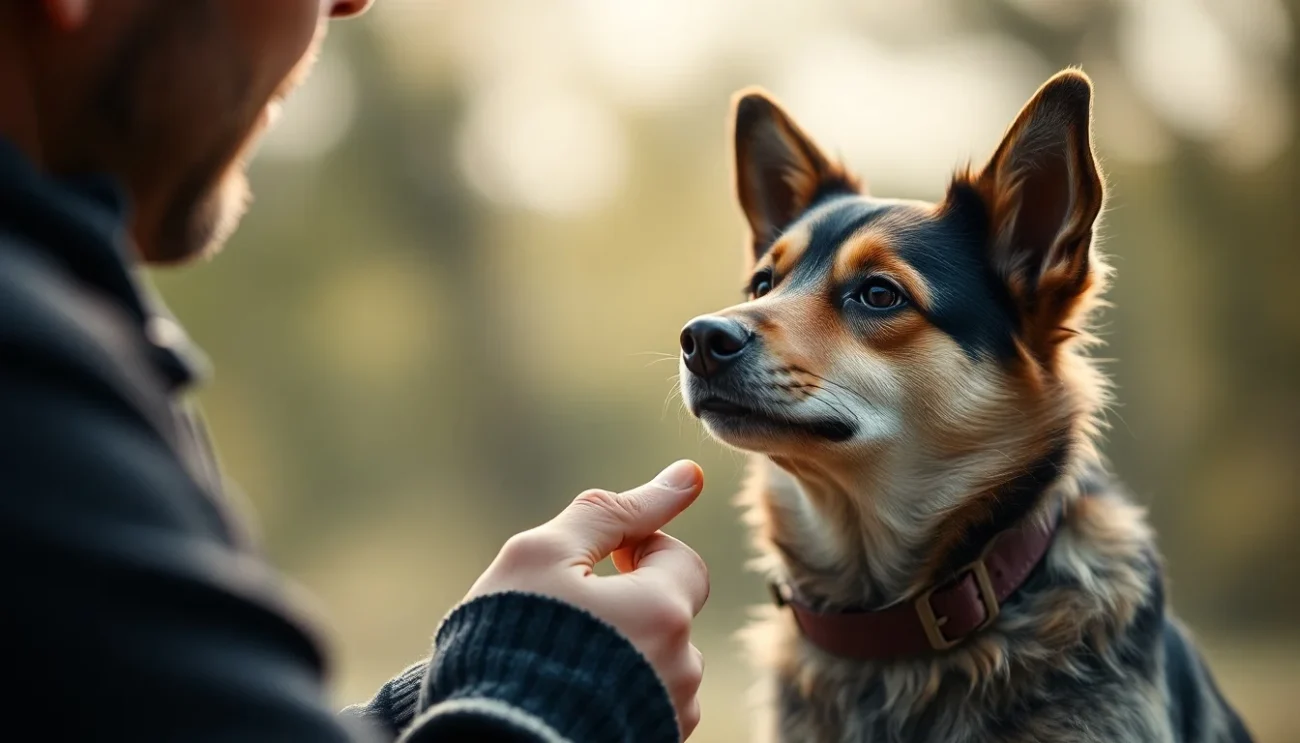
x=933 y=623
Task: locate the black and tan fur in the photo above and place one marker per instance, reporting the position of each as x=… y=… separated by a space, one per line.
x=892 y=442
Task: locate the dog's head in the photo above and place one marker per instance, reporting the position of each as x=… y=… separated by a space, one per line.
x=929 y=340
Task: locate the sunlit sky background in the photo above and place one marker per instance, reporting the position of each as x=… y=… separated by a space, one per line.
x=549 y=82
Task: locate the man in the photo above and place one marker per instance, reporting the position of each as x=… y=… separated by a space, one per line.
x=134 y=607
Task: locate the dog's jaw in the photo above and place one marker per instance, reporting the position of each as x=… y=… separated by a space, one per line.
x=763 y=418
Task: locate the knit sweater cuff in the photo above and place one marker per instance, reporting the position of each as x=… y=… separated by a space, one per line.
x=553 y=662
x=394 y=705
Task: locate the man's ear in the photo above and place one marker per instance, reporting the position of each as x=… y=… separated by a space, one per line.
x=67 y=15
x=1043 y=193
x=780 y=171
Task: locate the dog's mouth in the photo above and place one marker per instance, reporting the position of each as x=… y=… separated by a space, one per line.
x=730 y=417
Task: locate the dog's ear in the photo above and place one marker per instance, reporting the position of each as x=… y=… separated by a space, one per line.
x=780 y=171
x=1043 y=193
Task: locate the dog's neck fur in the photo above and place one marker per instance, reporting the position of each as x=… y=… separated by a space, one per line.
x=846 y=537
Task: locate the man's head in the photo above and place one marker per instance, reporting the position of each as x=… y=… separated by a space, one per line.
x=167 y=95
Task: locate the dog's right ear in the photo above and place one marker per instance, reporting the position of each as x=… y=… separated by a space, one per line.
x=780 y=171
x=1043 y=192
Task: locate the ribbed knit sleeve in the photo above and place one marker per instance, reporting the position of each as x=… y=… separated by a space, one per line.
x=518 y=666
x=393 y=707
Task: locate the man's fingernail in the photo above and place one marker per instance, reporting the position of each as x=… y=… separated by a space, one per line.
x=679 y=475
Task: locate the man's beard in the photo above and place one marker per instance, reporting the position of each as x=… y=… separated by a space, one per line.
x=206 y=211
x=192 y=169
x=203 y=214
x=205 y=228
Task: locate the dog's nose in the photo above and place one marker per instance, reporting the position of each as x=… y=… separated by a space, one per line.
x=710 y=344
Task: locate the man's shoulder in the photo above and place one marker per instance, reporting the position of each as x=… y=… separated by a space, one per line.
x=77 y=368
x=38 y=293
x=52 y=322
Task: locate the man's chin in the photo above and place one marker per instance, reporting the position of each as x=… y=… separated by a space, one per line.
x=233 y=200
x=202 y=229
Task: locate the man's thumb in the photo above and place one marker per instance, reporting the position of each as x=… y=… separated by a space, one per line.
x=599 y=522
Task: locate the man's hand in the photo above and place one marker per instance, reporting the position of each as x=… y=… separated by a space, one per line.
x=662 y=586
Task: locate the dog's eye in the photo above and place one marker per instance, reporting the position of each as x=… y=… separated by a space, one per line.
x=880 y=294
x=761 y=284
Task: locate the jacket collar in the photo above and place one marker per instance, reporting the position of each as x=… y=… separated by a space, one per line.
x=82 y=222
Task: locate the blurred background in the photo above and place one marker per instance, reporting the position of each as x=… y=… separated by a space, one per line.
x=481 y=225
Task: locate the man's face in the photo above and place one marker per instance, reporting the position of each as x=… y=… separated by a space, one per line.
x=179 y=92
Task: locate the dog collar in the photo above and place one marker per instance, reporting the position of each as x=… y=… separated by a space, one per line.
x=941 y=616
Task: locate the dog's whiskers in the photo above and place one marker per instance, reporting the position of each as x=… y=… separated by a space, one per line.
x=675 y=389
x=660 y=361
x=841 y=387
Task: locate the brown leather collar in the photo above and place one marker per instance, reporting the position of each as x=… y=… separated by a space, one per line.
x=940 y=617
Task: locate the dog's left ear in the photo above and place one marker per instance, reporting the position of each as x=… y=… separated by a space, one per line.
x=1043 y=192
x=779 y=170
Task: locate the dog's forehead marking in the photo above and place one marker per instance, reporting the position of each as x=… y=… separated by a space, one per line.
x=829 y=225
x=875 y=240
x=789 y=248
x=844 y=224
x=943 y=252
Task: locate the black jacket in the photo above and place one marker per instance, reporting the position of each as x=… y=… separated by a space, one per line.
x=134 y=606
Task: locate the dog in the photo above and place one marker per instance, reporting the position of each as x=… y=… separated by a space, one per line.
x=949 y=557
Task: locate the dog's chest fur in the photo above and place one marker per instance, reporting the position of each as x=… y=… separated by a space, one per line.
x=1084 y=652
